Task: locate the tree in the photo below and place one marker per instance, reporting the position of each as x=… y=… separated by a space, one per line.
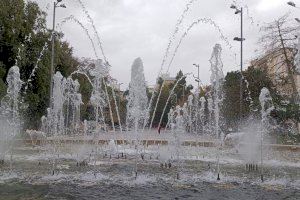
x=179 y=97
x=182 y=90
x=23 y=34
x=279 y=36
x=21 y=27
x=257 y=79
x=161 y=104
x=231 y=112
x=2 y=84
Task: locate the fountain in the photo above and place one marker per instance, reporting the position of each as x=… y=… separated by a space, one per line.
x=45 y=47
x=266 y=103
x=192 y=142
x=178 y=122
x=137 y=113
x=166 y=54
x=10 y=119
x=54 y=121
x=191 y=148
x=184 y=35
x=170 y=95
x=217 y=96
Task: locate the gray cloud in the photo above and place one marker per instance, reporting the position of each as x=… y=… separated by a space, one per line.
x=141 y=28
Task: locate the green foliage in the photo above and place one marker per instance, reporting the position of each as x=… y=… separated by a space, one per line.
x=85 y=91
x=161 y=104
x=284 y=114
x=2 y=84
x=257 y=79
x=289 y=111
x=181 y=92
x=18 y=21
x=230 y=108
x=23 y=34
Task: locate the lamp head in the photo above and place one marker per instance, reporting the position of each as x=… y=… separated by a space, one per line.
x=233 y=6
x=237 y=11
x=291 y=3
x=239 y=39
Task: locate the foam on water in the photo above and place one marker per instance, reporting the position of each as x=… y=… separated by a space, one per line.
x=211 y=177
x=278 y=163
x=56 y=178
x=142 y=179
x=9 y=176
x=62 y=166
x=92 y=177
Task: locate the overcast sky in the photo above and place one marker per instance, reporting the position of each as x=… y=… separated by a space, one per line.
x=142 y=28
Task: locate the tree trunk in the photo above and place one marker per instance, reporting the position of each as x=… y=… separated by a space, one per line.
x=289 y=66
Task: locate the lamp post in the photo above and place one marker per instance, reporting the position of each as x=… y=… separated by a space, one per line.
x=55 y=5
x=197 y=79
x=119 y=84
x=182 y=96
x=240 y=39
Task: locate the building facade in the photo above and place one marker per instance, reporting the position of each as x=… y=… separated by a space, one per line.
x=277 y=67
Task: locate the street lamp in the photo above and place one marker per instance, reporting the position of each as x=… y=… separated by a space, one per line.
x=183 y=88
x=240 y=39
x=197 y=79
x=119 y=84
x=55 y=5
x=291 y=3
